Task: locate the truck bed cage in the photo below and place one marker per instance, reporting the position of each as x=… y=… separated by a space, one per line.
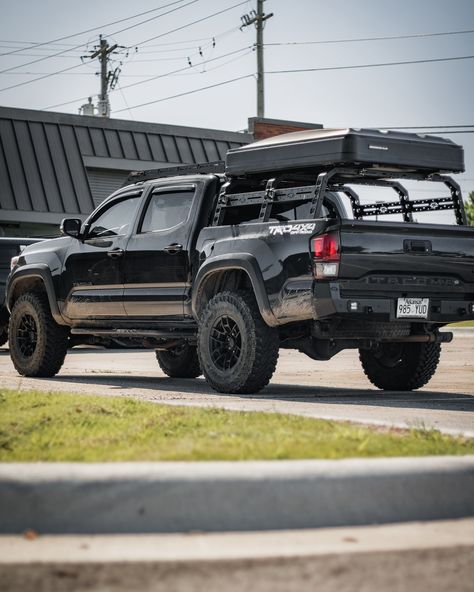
x=214 y=167
x=337 y=180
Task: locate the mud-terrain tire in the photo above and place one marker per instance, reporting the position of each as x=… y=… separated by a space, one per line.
x=237 y=350
x=3 y=335
x=179 y=362
x=400 y=366
x=38 y=345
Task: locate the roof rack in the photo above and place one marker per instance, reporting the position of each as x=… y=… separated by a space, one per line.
x=336 y=180
x=214 y=167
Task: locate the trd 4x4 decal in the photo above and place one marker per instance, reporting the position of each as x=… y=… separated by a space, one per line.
x=292 y=229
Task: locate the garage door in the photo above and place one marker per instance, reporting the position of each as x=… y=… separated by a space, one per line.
x=104 y=182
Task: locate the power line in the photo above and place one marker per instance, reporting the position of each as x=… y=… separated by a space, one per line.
x=206 y=71
x=41 y=49
x=153 y=18
x=392 y=127
x=55 y=73
x=66 y=103
x=125 y=101
x=136 y=45
x=190 y=92
x=37 y=55
x=79 y=54
x=322 y=42
x=31 y=42
x=189 y=24
x=59 y=53
x=377 y=65
x=42 y=55
x=142 y=43
x=358 y=39
x=218 y=36
x=94 y=28
x=187 y=68
x=42 y=77
x=210 y=41
x=296 y=71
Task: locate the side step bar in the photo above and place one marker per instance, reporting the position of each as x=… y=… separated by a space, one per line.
x=136 y=333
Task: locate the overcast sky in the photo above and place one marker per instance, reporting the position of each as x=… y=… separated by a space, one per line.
x=431 y=94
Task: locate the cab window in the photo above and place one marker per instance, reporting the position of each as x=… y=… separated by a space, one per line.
x=116 y=220
x=167 y=209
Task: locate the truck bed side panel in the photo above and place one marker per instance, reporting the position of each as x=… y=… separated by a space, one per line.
x=283 y=255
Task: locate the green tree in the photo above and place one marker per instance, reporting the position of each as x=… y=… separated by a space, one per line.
x=469 y=207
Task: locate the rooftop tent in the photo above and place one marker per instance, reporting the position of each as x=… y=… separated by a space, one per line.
x=354 y=147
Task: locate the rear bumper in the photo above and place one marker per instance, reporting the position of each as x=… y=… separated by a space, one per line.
x=328 y=302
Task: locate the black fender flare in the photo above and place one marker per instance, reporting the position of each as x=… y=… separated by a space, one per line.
x=241 y=261
x=37 y=270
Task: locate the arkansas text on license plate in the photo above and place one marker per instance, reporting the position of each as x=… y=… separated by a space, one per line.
x=415 y=308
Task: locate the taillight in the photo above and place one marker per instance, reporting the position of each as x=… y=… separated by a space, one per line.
x=326 y=250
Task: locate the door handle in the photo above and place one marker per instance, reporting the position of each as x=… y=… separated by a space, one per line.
x=174 y=248
x=417 y=246
x=115 y=253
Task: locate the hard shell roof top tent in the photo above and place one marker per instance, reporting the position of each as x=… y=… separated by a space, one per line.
x=337 y=157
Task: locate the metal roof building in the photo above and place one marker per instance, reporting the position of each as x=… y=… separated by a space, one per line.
x=55 y=165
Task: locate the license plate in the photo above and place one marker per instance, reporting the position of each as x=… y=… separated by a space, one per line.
x=412 y=308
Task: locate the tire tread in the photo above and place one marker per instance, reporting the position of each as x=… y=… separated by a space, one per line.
x=187 y=367
x=419 y=367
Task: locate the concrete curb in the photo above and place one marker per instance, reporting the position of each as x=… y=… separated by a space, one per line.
x=460 y=331
x=228 y=496
x=421 y=556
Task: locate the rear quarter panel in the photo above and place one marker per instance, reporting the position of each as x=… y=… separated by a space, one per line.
x=281 y=252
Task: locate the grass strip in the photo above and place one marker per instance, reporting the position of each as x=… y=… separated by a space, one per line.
x=39 y=426
x=462 y=324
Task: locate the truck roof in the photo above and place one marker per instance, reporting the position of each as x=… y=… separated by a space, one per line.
x=215 y=167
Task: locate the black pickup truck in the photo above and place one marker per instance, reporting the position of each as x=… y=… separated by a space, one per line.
x=217 y=267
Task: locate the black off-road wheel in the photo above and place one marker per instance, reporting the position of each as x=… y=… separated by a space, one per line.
x=237 y=350
x=179 y=362
x=400 y=366
x=38 y=345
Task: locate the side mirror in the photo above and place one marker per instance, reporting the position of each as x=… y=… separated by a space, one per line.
x=71 y=227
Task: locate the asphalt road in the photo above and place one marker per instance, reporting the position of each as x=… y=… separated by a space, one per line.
x=336 y=389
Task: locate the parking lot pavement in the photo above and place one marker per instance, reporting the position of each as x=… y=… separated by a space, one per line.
x=336 y=389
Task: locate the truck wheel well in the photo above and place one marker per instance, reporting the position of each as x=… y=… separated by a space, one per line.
x=229 y=280
x=28 y=284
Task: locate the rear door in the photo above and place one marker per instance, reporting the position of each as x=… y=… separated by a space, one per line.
x=157 y=261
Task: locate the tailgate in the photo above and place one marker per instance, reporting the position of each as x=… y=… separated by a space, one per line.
x=395 y=270
x=400 y=248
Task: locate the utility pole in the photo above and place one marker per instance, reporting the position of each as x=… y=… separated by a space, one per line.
x=258 y=18
x=107 y=78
